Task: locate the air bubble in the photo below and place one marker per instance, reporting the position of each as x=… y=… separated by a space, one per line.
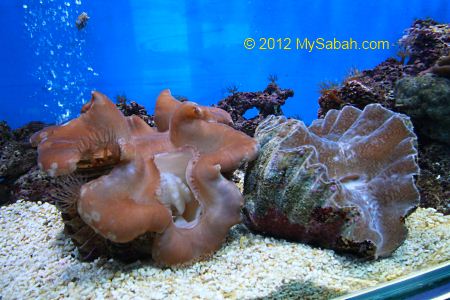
x=66 y=115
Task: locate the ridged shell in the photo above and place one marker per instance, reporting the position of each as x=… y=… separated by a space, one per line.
x=345 y=182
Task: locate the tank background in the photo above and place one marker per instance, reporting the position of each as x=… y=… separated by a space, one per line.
x=196 y=48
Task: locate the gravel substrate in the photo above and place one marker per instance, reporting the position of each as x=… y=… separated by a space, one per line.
x=38 y=261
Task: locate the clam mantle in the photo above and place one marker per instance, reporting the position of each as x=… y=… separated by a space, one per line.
x=136 y=190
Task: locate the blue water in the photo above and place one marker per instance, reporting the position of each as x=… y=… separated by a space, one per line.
x=195 y=48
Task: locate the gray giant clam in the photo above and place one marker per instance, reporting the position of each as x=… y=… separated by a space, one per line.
x=346 y=182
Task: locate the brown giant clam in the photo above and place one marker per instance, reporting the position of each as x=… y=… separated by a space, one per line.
x=346 y=182
x=128 y=189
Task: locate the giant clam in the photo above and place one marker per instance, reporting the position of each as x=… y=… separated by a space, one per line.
x=346 y=182
x=137 y=191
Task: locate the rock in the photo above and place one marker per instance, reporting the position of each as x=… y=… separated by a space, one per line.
x=424 y=43
x=34 y=185
x=268 y=102
x=346 y=182
x=423 y=48
x=369 y=86
x=17 y=156
x=134 y=108
x=426 y=99
x=442 y=67
x=434 y=178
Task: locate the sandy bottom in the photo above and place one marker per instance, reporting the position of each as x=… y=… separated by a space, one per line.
x=38 y=261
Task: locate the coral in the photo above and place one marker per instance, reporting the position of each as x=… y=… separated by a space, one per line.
x=421 y=47
x=329 y=99
x=17 y=157
x=426 y=100
x=425 y=42
x=369 y=86
x=268 y=102
x=346 y=182
x=356 y=93
x=134 y=108
x=150 y=191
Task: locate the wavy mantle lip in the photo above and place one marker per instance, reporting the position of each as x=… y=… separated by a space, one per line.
x=345 y=182
x=166 y=181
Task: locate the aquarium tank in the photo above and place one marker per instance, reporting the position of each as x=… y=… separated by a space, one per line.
x=225 y=149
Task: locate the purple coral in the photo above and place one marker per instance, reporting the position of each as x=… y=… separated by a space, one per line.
x=424 y=43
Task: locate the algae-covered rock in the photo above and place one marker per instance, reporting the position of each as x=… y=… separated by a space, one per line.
x=426 y=99
x=345 y=182
x=17 y=159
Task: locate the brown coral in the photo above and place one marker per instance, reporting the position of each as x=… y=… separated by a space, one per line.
x=345 y=182
x=169 y=182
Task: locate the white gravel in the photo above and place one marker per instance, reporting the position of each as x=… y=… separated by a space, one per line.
x=37 y=261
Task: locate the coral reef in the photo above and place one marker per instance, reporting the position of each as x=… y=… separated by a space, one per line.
x=268 y=102
x=426 y=100
x=17 y=158
x=129 y=188
x=423 y=44
x=369 y=86
x=346 y=182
